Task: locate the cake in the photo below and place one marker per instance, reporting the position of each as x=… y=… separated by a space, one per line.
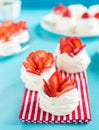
x=38 y=65
x=59 y=96
x=11 y=35
x=62 y=19
x=87 y=25
x=71 y=55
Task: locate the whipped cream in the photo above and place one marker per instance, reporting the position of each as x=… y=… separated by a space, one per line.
x=77 y=10
x=23 y=36
x=87 y=26
x=75 y=64
x=62 y=105
x=10 y=47
x=33 y=81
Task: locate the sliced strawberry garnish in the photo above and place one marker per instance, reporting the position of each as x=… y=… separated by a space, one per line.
x=21 y=25
x=76 y=42
x=39 y=61
x=53 y=83
x=7 y=23
x=62 y=43
x=57 y=85
x=97 y=15
x=46 y=88
x=86 y=15
x=31 y=62
x=67 y=13
x=41 y=53
x=49 y=60
x=70 y=45
x=67 y=48
x=60 y=9
x=66 y=89
x=64 y=83
x=78 y=50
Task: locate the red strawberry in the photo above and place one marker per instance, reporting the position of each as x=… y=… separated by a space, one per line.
x=76 y=42
x=86 y=15
x=67 y=49
x=66 y=89
x=53 y=84
x=97 y=15
x=49 y=60
x=62 y=43
x=46 y=88
x=78 y=50
x=67 y=13
x=64 y=83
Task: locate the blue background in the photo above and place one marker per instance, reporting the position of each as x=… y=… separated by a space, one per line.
x=11 y=86
x=51 y=3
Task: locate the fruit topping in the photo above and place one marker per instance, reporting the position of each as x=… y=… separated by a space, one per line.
x=38 y=61
x=97 y=15
x=71 y=45
x=9 y=29
x=57 y=85
x=63 y=10
x=86 y=15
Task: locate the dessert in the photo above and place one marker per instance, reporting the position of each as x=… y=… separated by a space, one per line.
x=87 y=25
x=77 y=10
x=11 y=35
x=62 y=19
x=71 y=55
x=38 y=65
x=59 y=96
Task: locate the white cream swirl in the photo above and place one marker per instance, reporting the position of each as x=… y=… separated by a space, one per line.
x=10 y=47
x=62 y=105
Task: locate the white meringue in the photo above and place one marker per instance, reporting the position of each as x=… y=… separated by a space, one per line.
x=62 y=105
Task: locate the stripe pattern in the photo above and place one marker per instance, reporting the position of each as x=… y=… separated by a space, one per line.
x=30 y=111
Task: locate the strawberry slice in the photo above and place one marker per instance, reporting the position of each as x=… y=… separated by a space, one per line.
x=67 y=49
x=78 y=50
x=46 y=88
x=60 y=9
x=39 y=65
x=76 y=42
x=31 y=61
x=72 y=81
x=7 y=23
x=41 y=53
x=97 y=15
x=49 y=60
x=59 y=77
x=86 y=15
x=62 y=43
x=64 y=83
x=53 y=84
x=67 y=13
x=66 y=89
x=68 y=38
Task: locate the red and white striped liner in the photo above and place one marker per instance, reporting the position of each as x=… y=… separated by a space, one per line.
x=30 y=111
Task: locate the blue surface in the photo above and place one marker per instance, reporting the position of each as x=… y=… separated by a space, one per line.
x=51 y=3
x=12 y=88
